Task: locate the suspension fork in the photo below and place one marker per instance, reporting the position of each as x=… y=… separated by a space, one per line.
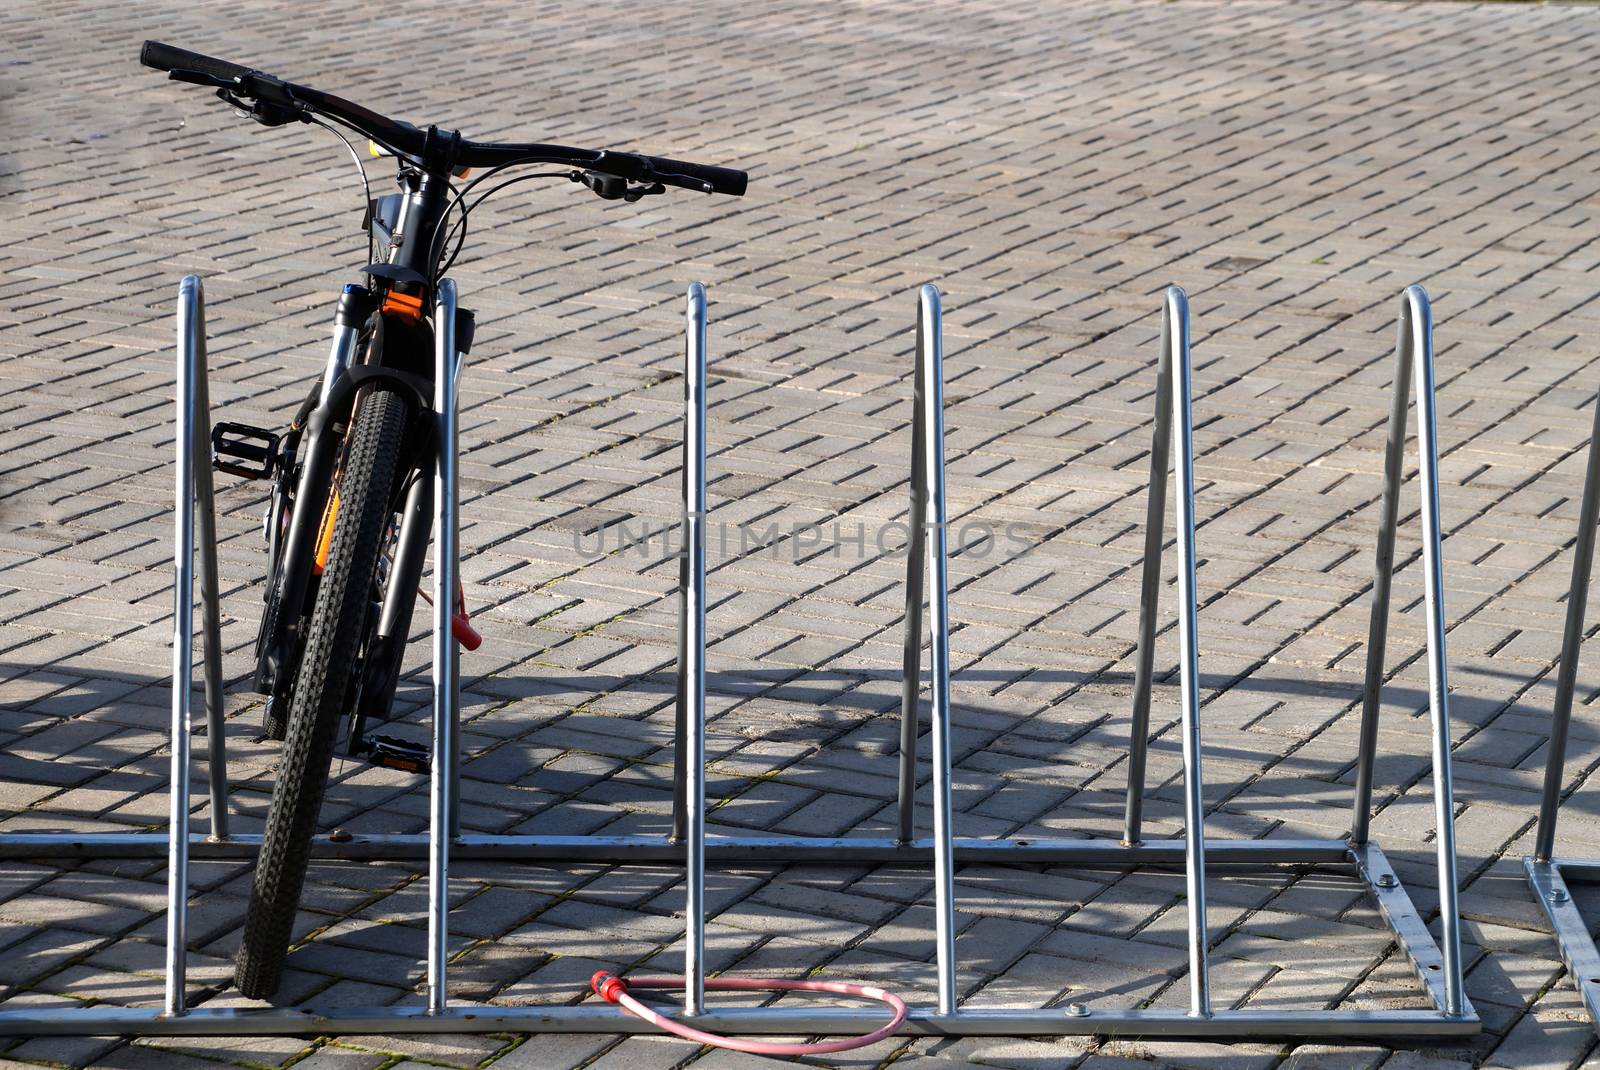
x=325 y=433
x=380 y=673
x=323 y=437
x=381 y=669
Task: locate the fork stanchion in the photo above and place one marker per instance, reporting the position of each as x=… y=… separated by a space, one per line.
x=446 y=678
x=1175 y=354
x=694 y=644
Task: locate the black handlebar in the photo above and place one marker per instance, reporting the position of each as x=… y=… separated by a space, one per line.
x=703 y=176
x=406 y=140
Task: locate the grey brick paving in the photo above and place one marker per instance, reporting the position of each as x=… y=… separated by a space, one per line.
x=1051 y=166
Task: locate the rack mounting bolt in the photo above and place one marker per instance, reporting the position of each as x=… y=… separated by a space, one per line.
x=1387 y=880
x=1077 y=1010
x=1556 y=895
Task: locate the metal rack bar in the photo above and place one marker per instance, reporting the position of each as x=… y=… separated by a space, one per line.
x=191 y=369
x=1414 y=362
x=916 y=570
x=454 y=776
x=680 y=724
x=446 y=678
x=724 y=850
x=1382 y=585
x=1548 y=874
x=1571 y=644
x=692 y=667
x=1155 y=533
x=1416 y=342
x=205 y=532
x=194 y=519
x=1175 y=354
x=808 y=1021
x=930 y=519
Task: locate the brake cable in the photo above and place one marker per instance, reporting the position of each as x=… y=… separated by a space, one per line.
x=466 y=209
x=241 y=94
x=366 y=188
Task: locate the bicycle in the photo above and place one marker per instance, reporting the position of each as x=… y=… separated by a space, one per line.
x=351 y=506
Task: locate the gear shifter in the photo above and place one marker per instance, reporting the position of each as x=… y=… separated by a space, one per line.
x=613 y=188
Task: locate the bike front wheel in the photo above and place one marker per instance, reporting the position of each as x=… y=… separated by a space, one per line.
x=324 y=684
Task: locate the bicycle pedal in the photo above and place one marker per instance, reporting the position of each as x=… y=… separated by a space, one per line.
x=392 y=752
x=244 y=451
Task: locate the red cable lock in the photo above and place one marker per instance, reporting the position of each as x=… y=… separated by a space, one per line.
x=460 y=626
x=614 y=989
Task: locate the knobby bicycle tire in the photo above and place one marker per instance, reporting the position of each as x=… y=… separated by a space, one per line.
x=322 y=687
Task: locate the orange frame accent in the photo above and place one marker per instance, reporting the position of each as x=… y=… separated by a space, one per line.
x=325 y=537
x=405 y=306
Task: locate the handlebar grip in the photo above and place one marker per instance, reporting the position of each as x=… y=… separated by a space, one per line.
x=167 y=58
x=720 y=179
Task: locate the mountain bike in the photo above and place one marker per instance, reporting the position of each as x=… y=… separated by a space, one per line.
x=350 y=511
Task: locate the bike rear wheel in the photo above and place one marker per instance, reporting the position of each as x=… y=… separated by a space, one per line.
x=323 y=685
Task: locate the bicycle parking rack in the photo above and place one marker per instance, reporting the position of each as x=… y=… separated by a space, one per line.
x=1548 y=873
x=1450 y=1012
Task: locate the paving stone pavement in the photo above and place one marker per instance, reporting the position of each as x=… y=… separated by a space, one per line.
x=1051 y=167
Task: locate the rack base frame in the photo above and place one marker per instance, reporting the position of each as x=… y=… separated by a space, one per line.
x=921 y=1021
x=1372 y=868
x=1549 y=881
x=1449 y=1013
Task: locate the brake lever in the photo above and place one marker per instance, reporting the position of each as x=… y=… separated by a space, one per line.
x=234 y=91
x=646 y=172
x=264 y=112
x=699 y=185
x=613 y=188
x=179 y=74
x=633 y=193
